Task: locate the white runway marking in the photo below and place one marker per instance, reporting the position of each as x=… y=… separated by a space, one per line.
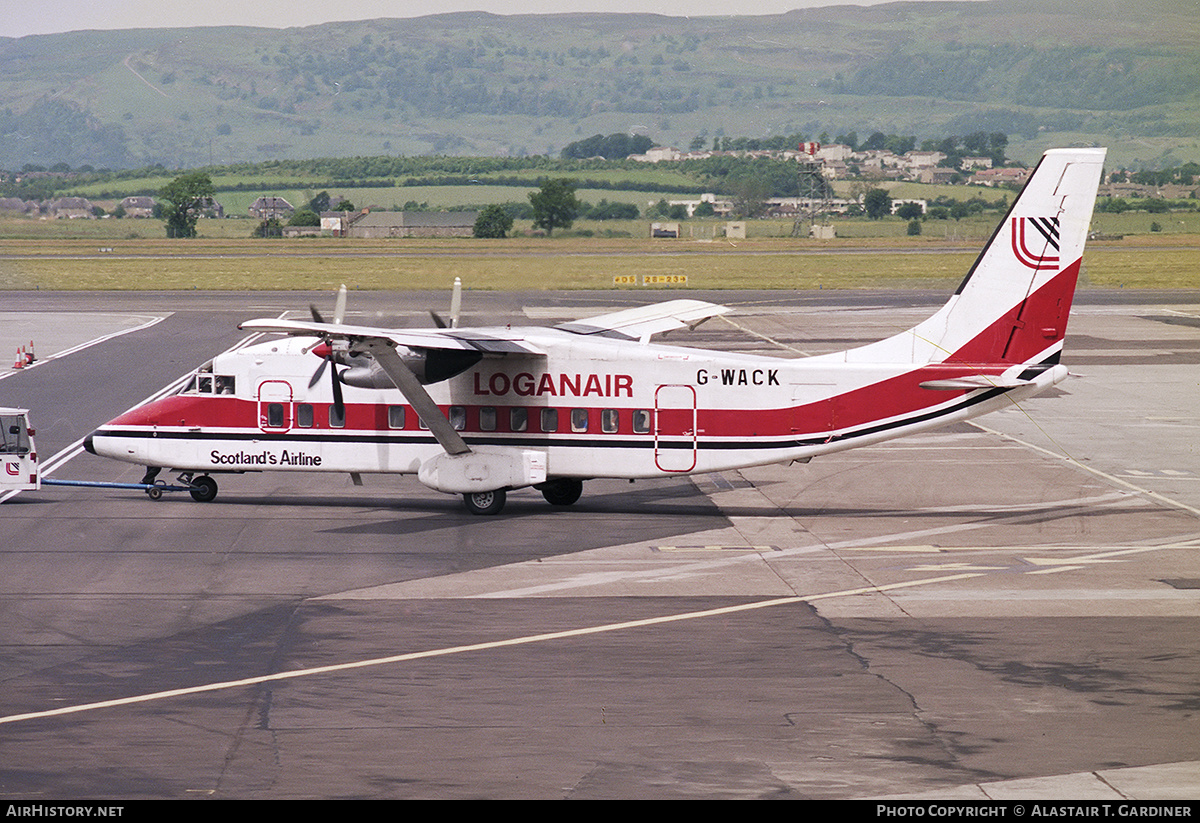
x=103 y=338
x=474 y=647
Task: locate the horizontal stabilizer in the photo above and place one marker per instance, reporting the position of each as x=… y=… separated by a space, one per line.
x=643 y=322
x=976 y=381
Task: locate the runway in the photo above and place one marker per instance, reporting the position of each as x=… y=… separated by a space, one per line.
x=1008 y=609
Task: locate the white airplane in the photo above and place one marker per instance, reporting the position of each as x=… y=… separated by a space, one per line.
x=482 y=411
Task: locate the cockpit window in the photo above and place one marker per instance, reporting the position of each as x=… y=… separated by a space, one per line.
x=205 y=382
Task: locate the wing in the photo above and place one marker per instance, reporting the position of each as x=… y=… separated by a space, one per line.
x=645 y=321
x=495 y=341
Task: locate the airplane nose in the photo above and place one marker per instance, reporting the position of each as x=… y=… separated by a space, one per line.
x=87 y=444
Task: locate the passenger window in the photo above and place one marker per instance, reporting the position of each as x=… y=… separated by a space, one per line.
x=275 y=415
x=610 y=421
x=518 y=418
x=225 y=384
x=458 y=417
x=641 y=421
x=337 y=416
x=579 y=420
x=487 y=419
x=304 y=415
x=395 y=417
x=549 y=420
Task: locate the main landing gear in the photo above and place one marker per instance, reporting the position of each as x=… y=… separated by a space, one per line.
x=485 y=502
x=562 y=491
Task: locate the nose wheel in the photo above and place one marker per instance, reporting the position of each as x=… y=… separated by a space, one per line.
x=203 y=489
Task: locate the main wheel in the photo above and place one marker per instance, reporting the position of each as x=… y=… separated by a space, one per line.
x=562 y=492
x=204 y=489
x=485 y=502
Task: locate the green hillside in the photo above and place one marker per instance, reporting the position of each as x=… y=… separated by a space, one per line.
x=1051 y=72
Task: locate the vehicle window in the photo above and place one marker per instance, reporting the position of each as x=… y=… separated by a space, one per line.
x=610 y=420
x=337 y=416
x=274 y=415
x=458 y=417
x=641 y=421
x=14 y=438
x=395 y=417
x=487 y=419
x=549 y=420
x=304 y=415
x=579 y=420
x=518 y=418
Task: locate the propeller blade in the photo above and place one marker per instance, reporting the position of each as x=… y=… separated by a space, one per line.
x=316 y=378
x=455 y=302
x=339 y=306
x=316 y=315
x=337 y=392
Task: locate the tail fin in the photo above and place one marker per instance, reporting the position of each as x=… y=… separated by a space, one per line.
x=1012 y=307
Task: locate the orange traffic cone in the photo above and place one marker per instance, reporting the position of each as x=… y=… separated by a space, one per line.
x=20 y=364
x=29 y=354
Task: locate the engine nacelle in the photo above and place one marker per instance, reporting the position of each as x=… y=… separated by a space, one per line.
x=486 y=469
x=429 y=366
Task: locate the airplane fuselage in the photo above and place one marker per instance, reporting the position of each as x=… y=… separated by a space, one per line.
x=596 y=407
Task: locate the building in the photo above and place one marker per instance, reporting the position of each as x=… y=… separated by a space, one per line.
x=71 y=208
x=138 y=206
x=272 y=208
x=378 y=224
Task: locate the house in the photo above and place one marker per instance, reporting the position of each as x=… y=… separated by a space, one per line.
x=71 y=208
x=377 y=224
x=970 y=163
x=272 y=208
x=14 y=204
x=996 y=177
x=937 y=174
x=138 y=206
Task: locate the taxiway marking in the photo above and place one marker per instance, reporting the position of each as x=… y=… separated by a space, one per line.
x=88 y=344
x=475 y=647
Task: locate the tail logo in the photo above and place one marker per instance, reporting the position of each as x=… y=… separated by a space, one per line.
x=1040 y=233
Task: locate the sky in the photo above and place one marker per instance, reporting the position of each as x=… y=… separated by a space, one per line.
x=52 y=16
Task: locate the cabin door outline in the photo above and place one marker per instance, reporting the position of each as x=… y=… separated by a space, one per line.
x=675 y=428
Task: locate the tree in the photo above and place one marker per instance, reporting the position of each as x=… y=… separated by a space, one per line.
x=305 y=217
x=554 y=205
x=877 y=203
x=186 y=196
x=493 y=221
x=750 y=194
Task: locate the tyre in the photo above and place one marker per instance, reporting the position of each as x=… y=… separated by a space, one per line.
x=562 y=492
x=204 y=489
x=485 y=502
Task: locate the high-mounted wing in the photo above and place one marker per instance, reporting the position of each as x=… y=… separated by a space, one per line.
x=381 y=344
x=488 y=342
x=645 y=321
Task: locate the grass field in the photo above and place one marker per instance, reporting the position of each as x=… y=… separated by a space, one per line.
x=237 y=263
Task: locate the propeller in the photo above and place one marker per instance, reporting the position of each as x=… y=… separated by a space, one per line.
x=329 y=355
x=455 y=308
